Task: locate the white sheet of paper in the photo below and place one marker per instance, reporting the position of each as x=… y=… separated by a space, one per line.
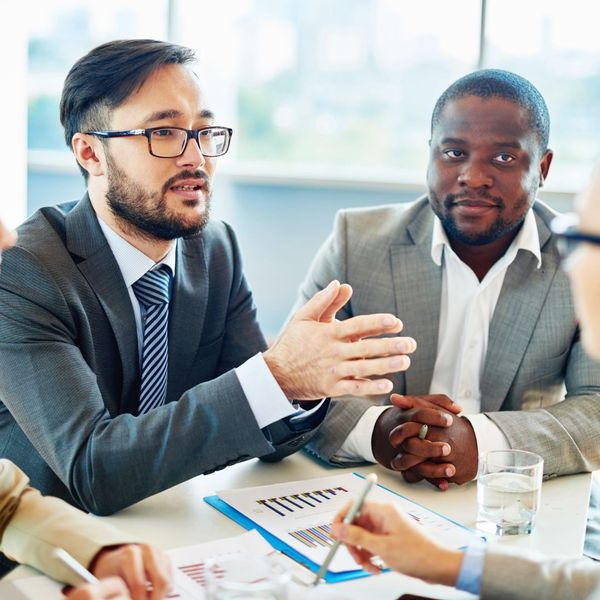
x=300 y=513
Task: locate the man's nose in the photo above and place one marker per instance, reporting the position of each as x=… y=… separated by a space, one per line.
x=474 y=174
x=192 y=156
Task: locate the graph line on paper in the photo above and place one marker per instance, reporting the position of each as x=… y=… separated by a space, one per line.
x=314 y=537
x=286 y=505
x=197 y=572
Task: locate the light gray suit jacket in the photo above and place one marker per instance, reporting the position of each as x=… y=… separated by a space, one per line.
x=70 y=371
x=384 y=253
x=509 y=575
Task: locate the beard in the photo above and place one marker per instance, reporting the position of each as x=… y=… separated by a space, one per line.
x=145 y=213
x=499 y=228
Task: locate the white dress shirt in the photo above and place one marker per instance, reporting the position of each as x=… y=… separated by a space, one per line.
x=266 y=399
x=466 y=310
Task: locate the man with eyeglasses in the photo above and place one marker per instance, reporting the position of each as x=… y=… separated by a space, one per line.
x=130 y=354
x=472 y=270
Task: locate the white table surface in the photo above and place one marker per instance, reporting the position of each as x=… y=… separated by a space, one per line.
x=179 y=517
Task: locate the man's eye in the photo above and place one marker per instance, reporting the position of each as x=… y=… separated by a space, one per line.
x=504 y=158
x=453 y=153
x=163 y=132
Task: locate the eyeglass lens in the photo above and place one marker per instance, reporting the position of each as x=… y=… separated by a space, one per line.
x=169 y=142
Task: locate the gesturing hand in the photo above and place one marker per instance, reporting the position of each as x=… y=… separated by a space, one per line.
x=137 y=565
x=316 y=356
x=420 y=459
x=381 y=530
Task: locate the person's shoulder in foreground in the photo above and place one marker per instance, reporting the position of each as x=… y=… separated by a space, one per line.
x=32 y=526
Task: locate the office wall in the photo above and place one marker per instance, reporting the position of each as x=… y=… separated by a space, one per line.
x=280 y=226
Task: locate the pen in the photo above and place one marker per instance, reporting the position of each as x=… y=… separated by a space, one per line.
x=76 y=567
x=370 y=479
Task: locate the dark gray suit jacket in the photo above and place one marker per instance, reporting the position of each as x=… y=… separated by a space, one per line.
x=70 y=375
x=534 y=348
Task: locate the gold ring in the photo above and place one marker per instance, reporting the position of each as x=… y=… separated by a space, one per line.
x=423 y=431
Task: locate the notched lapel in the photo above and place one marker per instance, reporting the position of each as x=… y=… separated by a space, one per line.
x=418 y=288
x=187 y=311
x=516 y=315
x=99 y=267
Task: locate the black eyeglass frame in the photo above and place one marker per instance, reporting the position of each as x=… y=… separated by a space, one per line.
x=564 y=226
x=191 y=133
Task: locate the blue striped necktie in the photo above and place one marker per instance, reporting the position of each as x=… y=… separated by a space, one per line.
x=152 y=292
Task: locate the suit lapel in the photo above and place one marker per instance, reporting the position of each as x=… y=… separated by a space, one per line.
x=523 y=293
x=187 y=311
x=418 y=288
x=99 y=267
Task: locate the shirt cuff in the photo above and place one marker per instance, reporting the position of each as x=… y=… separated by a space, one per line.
x=267 y=401
x=488 y=435
x=469 y=578
x=357 y=446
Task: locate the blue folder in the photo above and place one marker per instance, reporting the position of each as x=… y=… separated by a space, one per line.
x=279 y=544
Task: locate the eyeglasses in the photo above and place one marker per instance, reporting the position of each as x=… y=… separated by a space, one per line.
x=569 y=236
x=170 y=142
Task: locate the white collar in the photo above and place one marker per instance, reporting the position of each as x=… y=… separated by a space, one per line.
x=132 y=262
x=527 y=239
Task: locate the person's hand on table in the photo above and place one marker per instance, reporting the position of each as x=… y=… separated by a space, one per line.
x=404 y=420
x=316 y=356
x=381 y=530
x=421 y=458
x=137 y=565
x=113 y=588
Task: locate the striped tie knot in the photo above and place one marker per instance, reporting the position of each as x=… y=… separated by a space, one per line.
x=153 y=287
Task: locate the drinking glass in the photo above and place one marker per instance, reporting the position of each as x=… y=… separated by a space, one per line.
x=509 y=488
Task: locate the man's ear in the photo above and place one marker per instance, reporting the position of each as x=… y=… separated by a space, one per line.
x=545 y=165
x=89 y=153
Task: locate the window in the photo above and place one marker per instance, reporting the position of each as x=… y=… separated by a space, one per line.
x=343 y=84
x=62 y=31
x=556 y=46
x=336 y=88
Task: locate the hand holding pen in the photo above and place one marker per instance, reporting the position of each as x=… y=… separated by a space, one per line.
x=350 y=514
x=385 y=532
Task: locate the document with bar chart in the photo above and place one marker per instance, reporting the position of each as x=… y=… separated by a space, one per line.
x=297 y=516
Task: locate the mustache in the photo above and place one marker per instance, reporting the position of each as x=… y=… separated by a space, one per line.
x=197 y=174
x=451 y=199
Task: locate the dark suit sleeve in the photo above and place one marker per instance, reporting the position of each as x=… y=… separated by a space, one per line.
x=109 y=462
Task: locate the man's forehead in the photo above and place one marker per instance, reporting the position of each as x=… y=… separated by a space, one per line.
x=162 y=114
x=169 y=92
x=492 y=116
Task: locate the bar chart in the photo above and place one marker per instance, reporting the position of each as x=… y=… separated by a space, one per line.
x=293 y=503
x=314 y=537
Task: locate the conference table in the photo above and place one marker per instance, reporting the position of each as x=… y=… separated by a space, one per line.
x=179 y=517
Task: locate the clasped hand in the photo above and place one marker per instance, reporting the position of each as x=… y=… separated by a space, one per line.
x=317 y=356
x=447 y=454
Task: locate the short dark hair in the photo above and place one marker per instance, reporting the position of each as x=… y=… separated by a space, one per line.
x=496 y=83
x=107 y=75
